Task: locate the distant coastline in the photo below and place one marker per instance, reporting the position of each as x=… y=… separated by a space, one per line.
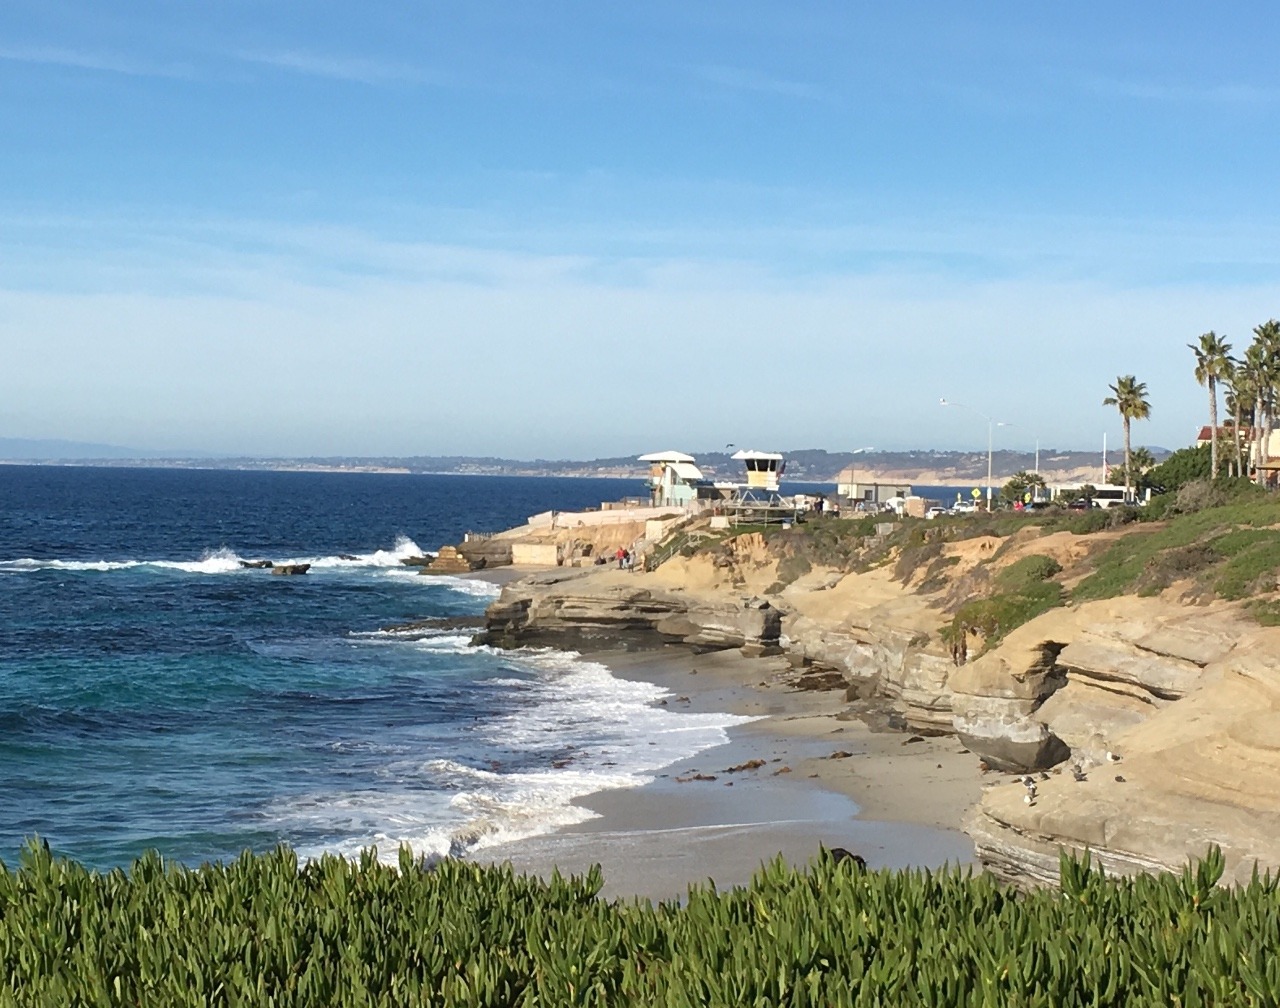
x=920 y=467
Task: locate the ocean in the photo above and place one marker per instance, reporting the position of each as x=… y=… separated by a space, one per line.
x=154 y=693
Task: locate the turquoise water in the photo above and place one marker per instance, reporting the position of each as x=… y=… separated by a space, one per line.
x=155 y=693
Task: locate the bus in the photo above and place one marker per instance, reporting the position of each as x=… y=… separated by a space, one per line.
x=1105 y=495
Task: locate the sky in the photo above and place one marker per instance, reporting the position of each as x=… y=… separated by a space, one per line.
x=575 y=229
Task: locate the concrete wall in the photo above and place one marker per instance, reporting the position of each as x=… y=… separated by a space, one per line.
x=535 y=555
x=573 y=519
x=656 y=528
x=543 y=520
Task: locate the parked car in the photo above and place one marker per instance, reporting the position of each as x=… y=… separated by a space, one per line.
x=964 y=507
x=935 y=512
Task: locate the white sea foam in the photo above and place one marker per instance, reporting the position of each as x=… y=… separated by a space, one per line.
x=212 y=562
x=32 y=564
x=446 y=643
x=220 y=561
x=467 y=810
x=226 y=561
x=469 y=586
x=606 y=732
x=614 y=721
x=462 y=585
x=404 y=549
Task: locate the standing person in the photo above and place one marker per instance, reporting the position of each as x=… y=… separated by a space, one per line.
x=620 y=555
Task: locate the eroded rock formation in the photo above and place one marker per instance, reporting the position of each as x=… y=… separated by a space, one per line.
x=1204 y=769
x=586 y=609
x=1152 y=727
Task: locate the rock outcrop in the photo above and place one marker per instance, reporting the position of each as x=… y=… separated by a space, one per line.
x=1067 y=682
x=1163 y=719
x=486 y=552
x=1204 y=770
x=449 y=561
x=1153 y=727
x=594 y=609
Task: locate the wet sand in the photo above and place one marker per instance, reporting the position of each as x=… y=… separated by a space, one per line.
x=823 y=780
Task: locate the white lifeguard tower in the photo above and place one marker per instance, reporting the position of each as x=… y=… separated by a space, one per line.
x=763 y=469
x=673 y=478
x=758 y=500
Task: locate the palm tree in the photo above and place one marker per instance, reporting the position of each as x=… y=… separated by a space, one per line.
x=1140 y=460
x=1258 y=373
x=1130 y=399
x=1213 y=362
x=1263 y=357
x=1238 y=396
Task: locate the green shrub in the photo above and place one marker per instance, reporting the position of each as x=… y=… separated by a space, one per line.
x=1159 y=507
x=1224 y=528
x=914 y=557
x=1251 y=569
x=1176 y=564
x=1085 y=522
x=1027 y=571
x=1180 y=468
x=996 y=615
x=1265 y=611
x=792 y=567
x=264 y=930
x=1201 y=495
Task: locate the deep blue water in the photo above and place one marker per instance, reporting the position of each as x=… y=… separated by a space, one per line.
x=154 y=693
x=948 y=495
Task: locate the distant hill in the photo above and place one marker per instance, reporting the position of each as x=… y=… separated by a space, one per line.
x=56 y=450
x=816 y=465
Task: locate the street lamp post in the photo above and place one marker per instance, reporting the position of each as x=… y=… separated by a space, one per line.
x=991 y=426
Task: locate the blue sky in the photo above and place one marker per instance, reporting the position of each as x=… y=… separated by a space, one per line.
x=575 y=229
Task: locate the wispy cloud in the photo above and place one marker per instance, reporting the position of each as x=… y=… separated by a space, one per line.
x=343 y=68
x=737 y=79
x=82 y=60
x=1220 y=94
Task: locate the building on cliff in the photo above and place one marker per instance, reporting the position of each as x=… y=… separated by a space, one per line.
x=673 y=479
x=764 y=469
x=867 y=495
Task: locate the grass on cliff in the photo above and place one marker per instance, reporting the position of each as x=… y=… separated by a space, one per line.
x=268 y=930
x=1230 y=551
x=1222 y=538
x=1021 y=592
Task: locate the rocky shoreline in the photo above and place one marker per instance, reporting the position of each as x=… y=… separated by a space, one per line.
x=1149 y=726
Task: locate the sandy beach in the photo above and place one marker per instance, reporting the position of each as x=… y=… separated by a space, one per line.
x=803 y=774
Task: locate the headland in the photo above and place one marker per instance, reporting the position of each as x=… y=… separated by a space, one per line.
x=1051 y=681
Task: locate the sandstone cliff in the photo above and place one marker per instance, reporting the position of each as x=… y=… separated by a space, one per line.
x=1186 y=696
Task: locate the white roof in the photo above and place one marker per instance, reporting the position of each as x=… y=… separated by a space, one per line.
x=666 y=456
x=752 y=454
x=686 y=471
